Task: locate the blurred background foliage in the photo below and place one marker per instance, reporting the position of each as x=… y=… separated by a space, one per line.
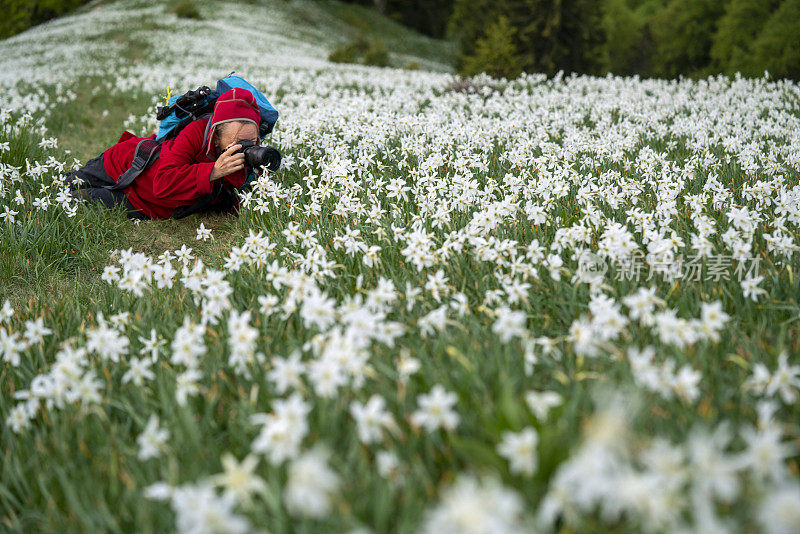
x=19 y=15
x=651 y=38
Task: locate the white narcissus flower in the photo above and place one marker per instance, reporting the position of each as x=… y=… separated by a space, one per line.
x=765 y=454
x=283 y=430
x=435 y=320
x=105 y=341
x=188 y=344
x=750 y=287
x=607 y=320
x=370 y=257
x=151 y=345
x=685 y=383
x=110 y=274
x=18 y=418
x=435 y=410
x=476 y=506
x=326 y=375
x=199 y=510
x=583 y=337
x=509 y=324
x=318 y=310
x=278 y=439
x=9 y=215
x=203 y=232
x=138 y=371
x=6 y=312
x=35 y=331
x=86 y=390
x=437 y=284
x=406 y=366
x=371 y=418
x=785 y=381
x=779 y=512
x=239 y=479
x=311 y=485
x=674 y=330
x=242 y=342
x=268 y=304
x=11 y=347
x=286 y=372
x=540 y=402
x=520 y=450
x=554 y=264
x=641 y=304
x=714 y=471
x=186 y=385
x=152 y=439
x=712 y=319
x=388 y=464
x=164 y=275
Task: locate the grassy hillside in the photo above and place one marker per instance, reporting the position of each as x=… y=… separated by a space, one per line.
x=111 y=60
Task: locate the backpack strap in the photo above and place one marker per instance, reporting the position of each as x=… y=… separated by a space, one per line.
x=206 y=117
x=147 y=152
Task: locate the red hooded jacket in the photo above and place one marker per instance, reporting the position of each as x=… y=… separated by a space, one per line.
x=181 y=174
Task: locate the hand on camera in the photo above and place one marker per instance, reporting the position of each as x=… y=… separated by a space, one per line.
x=228 y=163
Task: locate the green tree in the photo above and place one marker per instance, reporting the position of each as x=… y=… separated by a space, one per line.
x=429 y=17
x=467 y=24
x=682 y=34
x=623 y=29
x=549 y=35
x=777 y=47
x=558 y=35
x=426 y=16
x=495 y=52
x=19 y=15
x=736 y=32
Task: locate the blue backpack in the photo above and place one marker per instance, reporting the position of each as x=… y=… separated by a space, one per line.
x=193 y=105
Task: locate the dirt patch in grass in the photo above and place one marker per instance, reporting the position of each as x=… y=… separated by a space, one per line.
x=154 y=237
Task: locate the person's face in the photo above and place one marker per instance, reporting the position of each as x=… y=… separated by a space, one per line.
x=234 y=132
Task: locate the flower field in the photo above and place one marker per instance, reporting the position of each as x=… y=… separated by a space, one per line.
x=565 y=304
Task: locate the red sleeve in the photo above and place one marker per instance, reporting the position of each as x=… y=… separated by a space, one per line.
x=237 y=179
x=180 y=176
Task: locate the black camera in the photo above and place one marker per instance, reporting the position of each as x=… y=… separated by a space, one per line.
x=259 y=156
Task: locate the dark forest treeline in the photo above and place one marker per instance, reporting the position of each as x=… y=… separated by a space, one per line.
x=19 y=15
x=653 y=38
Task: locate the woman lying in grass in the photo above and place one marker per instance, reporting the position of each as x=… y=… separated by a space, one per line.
x=199 y=165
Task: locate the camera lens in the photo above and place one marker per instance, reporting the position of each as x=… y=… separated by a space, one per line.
x=262 y=156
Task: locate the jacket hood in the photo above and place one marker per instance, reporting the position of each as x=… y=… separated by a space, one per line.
x=235 y=105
